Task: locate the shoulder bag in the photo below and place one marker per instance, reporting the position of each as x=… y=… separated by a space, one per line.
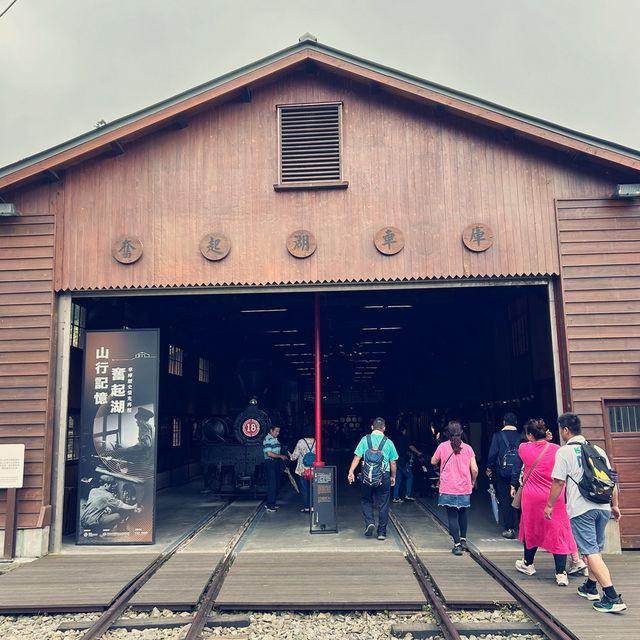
x=517 y=499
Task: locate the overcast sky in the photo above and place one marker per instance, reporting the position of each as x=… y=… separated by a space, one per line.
x=65 y=64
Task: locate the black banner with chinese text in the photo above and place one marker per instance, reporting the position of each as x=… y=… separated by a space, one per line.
x=118 y=438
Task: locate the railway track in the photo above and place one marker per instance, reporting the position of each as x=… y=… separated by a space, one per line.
x=548 y=624
x=122 y=601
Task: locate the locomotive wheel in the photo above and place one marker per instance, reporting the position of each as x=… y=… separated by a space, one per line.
x=251 y=426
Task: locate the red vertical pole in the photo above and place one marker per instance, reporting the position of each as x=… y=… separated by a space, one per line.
x=318 y=462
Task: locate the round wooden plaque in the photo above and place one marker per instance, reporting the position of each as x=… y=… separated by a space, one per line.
x=389 y=240
x=477 y=237
x=215 y=246
x=301 y=243
x=126 y=249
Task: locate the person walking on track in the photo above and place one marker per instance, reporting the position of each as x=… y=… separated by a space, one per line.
x=537 y=456
x=588 y=517
x=378 y=455
x=503 y=453
x=458 y=473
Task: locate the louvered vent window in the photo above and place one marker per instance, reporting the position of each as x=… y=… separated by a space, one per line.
x=310 y=146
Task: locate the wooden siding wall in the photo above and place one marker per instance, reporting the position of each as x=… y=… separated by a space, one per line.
x=26 y=335
x=600 y=256
x=428 y=174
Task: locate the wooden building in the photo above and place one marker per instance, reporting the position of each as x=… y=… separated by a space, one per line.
x=399 y=185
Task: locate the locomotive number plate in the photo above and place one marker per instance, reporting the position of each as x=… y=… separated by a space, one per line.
x=251 y=428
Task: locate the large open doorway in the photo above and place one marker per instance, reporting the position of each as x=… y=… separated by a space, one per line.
x=424 y=354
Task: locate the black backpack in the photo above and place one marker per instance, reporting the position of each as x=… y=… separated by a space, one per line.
x=597 y=481
x=509 y=458
x=372 y=463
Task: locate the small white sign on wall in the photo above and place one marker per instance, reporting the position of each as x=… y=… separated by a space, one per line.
x=11 y=466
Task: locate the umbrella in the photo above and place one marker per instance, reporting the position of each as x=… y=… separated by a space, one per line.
x=494 y=503
x=292 y=480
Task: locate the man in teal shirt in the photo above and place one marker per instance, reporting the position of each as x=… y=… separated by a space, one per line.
x=382 y=492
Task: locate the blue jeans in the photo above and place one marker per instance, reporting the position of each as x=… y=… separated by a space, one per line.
x=305 y=491
x=407 y=474
x=273 y=479
x=382 y=494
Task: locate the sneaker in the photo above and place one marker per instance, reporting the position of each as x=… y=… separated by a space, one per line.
x=457 y=550
x=270 y=509
x=369 y=530
x=411 y=498
x=522 y=567
x=463 y=544
x=578 y=568
x=509 y=533
x=397 y=500
x=588 y=593
x=609 y=605
x=562 y=579
x=382 y=536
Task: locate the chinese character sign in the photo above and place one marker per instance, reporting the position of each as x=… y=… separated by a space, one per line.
x=118 y=438
x=215 y=246
x=126 y=249
x=477 y=237
x=389 y=241
x=301 y=243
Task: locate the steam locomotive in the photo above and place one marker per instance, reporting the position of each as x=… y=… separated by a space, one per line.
x=231 y=457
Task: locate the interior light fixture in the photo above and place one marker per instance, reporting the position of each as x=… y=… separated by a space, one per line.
x=290 y=331
x=400 y=306
x=282 y=344
x=383 y=342
x=390 y=328
x=373 y=306
x=262 y=310
x=370 y=329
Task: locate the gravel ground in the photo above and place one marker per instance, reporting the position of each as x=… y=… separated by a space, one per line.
x=264 y=626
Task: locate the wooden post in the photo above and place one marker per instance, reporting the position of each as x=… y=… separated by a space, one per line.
x=10 y=525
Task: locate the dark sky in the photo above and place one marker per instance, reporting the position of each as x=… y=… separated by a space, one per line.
x=65 y=64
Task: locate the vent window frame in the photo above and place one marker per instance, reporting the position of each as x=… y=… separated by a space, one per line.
x=335 y=181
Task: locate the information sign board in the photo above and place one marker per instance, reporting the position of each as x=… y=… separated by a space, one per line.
x=323 y=500
x=11 y=466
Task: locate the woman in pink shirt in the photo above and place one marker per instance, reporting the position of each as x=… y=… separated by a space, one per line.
x=458 y=473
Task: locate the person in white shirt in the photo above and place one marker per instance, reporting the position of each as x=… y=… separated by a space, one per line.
x=588 y=519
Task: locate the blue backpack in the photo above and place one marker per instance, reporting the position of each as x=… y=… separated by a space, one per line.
x=509 y=458
x=372 y=463
x=310 y=457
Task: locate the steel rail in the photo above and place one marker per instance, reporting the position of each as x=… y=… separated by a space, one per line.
x=442 y=617
x=553 y=629
x=121 y=601
x=218 y=576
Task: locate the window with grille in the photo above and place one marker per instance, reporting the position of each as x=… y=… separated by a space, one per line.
x=73 y=437
x=203 y=370
x=78 y=324
x=176 y=357
x=624 y=418
x=310 y=146
x=177 y=432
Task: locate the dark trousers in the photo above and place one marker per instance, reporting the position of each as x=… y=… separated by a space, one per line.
x=305 y=491
x=560 y=559
x=382 y=494
x=457 y=518
x=273 y=480
x=503 y=493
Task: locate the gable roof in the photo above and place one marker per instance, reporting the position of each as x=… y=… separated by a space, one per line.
x=175 y=110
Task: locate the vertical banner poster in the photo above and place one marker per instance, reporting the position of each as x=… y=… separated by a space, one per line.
x=118 y=435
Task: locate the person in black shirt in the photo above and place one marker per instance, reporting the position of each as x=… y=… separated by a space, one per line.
x=499 y=469
x=406 y=452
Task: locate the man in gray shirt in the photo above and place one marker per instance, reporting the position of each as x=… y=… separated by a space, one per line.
x=588 y=519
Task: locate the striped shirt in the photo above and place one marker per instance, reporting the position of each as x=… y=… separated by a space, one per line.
x=270 y=444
